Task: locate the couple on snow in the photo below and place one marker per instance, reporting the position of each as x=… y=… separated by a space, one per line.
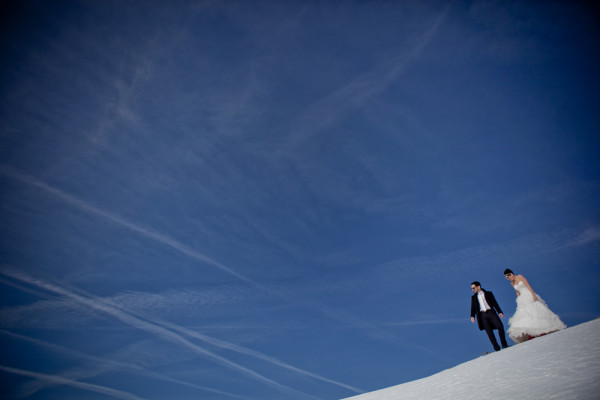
x=532 y=318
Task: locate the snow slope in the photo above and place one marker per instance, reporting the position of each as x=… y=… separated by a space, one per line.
x=564 y=365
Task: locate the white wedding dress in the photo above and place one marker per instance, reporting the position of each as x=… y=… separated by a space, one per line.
x=532 y=318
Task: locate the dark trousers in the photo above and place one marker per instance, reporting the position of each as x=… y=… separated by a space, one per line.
x=491 y=321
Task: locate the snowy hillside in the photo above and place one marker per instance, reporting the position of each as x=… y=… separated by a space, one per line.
x=563 y=365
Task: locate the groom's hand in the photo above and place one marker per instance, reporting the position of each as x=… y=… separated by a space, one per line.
x=472 y=319
x=501 y=315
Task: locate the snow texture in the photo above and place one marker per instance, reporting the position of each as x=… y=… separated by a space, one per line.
x=563 y=365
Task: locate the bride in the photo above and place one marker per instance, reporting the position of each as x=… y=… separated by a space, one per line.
x=532 y=318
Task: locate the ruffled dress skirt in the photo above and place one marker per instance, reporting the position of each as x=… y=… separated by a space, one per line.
x=532 y=318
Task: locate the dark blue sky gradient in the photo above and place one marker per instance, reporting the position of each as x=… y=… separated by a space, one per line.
x=267 y=200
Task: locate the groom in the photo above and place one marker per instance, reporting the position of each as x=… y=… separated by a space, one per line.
x=484 y=306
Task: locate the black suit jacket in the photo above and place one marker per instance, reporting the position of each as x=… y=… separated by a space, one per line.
x=475 y=308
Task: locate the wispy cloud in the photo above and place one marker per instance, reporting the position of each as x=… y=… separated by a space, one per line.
x=124 y=304
x=54 y=313
x=492 y=255
x=588 y=236
x=329 y=110
x=145 y=232
x=150 y=327
x=381 y=333
x=256 y=354
x=144 y=301
x=287 y=299
x=119 y=394
x=24 y=289
x=99 y=365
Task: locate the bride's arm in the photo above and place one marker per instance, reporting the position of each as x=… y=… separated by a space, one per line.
x=529 y=287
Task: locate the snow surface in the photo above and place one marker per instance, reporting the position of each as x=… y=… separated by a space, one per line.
x=563 y=365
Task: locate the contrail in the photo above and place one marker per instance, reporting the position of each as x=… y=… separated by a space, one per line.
x=253 y=353
x=220 y=343
x=150 y=327
x=175 y=245
x=200 y=257
x=81 y=385
x=24 y=289
x=148 y=233
x=328 y=111
x=109 y=363
x=343 y=316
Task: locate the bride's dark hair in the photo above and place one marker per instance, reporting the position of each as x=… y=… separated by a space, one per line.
x=508 y=271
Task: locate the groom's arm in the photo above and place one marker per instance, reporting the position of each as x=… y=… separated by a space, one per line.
x=473 y=309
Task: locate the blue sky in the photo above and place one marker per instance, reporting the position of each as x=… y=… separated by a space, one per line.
x=285 y=200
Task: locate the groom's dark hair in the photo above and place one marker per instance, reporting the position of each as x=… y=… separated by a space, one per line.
x=508 y=271
x=476 y=284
